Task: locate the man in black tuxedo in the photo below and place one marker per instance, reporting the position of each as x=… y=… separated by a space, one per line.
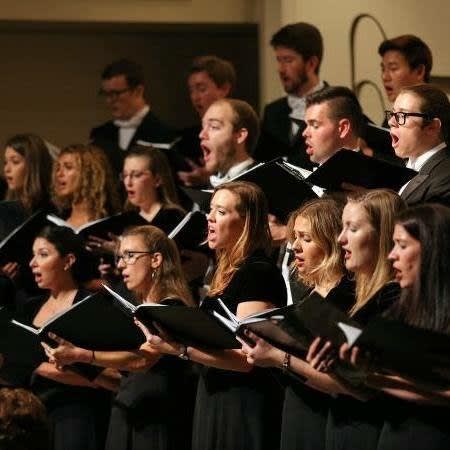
x=420 y=125
x=210 y=79
x=122 y=86
x=298 y=49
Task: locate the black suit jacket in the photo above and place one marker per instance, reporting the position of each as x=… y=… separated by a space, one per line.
x=432 y=183
x=106 y=136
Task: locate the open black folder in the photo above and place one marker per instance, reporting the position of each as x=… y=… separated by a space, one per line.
x=409 y=351
x=285 y=187
x=189 y=325
x=347 y=166
x=191 y=231
x=293 y=328
x=115 y=224
x=17 y=246
x=94 y=323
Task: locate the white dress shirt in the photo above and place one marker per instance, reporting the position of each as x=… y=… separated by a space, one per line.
x=127 y=128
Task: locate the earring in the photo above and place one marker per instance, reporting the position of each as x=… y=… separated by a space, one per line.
x=154 y=274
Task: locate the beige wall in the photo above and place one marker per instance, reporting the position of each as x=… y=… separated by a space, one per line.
x=427 y=19
x=175 y=11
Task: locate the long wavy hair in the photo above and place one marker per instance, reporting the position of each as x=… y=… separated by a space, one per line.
x=426 y=304
x=95 y=185
x=168 y=280
x=159 y=167
x=381 y=207
x=251 y=205
x=324 y=216
x=38 y=163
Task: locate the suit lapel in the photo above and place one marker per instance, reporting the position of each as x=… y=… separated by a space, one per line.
x=424 y=173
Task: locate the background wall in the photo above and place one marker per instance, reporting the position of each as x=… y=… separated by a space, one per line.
x=427 y=19
x=52 y=71
x=53 y=50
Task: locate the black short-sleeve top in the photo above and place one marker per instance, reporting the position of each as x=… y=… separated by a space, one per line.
x=257 y=279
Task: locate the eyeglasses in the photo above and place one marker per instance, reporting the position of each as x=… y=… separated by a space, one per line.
x=113 y=94
x=129 y=257
x=400 y=117
x=133 y=175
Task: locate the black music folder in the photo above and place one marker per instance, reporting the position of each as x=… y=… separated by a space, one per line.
x=380 y=141
x=191 y=231
x=293 y=328
x=188 y=325
x=348 y=166
x=409 y=351
x=200 y=197
x=93 y=323
x=17 y=246
x=284 y=186
x=115 y=224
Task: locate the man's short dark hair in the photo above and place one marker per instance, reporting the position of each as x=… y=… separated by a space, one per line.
x=414 y=50
x=343 y=104
x=434 y=103
x=23 y=421
x=219 y=70
x=244 y=116
x=303 y=38
x=131 y=70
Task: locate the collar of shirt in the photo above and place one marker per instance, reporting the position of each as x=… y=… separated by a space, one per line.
x=234 y=171
x=134 y=121
x=298 y=104
x=417 y=163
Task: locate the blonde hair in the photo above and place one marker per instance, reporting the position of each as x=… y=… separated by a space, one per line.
x=381 y=207
x=324 y=217
x=158 y=165
x=168 y=280
x=95 y=185
x=251 y=205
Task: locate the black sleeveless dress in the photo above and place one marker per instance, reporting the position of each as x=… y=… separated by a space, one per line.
x=153 y=409
x=241 y=411
x=305 y=409
x=78 y=416
x=353 y=424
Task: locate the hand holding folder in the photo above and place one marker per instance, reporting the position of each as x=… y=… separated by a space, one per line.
x=409 y=351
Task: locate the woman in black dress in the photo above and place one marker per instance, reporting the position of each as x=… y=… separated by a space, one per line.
x=417 y=416
x=76 y=408
x=152 y=408
x=27 y=169
x=367 y=226
x=238 y=407
x=151 y=199
x=318 y=263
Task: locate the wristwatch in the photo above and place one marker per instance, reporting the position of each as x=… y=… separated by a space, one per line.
x=184 y=353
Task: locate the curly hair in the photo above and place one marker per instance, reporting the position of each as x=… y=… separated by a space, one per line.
x=95 y=184
x=23 y=421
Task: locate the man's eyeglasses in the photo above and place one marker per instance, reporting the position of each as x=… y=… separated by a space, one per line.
x=113 y=94
x=400 y=117
x=133 y=175
x=130 y=257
